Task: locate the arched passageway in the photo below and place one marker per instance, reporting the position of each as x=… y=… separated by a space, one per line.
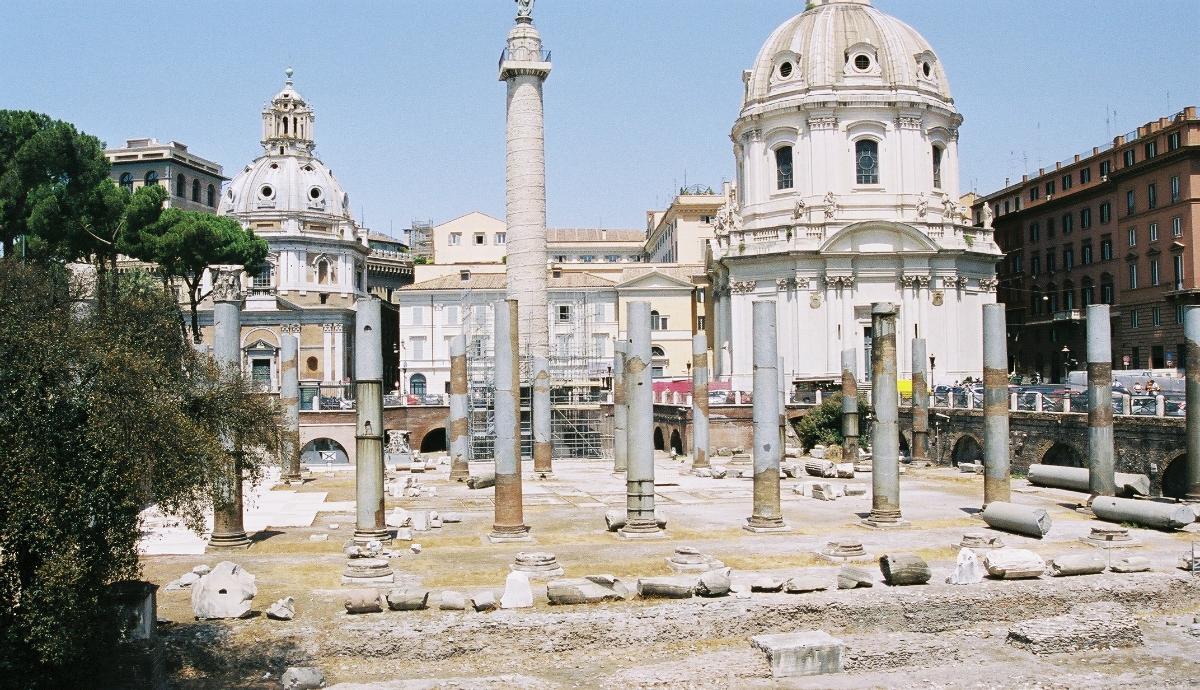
x=434 y=441
x=966 y=449
x=1174 y=478
x=676 y=443
x=323 y=451
x=1063 y=455
x=659 y=442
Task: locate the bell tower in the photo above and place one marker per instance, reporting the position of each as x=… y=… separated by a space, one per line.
x=288 y=123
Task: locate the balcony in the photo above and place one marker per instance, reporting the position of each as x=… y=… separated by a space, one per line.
x=1069 y=315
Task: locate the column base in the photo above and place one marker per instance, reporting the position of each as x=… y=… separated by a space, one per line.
x=510 y=535
x=641 y=529
x=228 y=542
x=887 y=520
x=765 y=525
x=361 y=537
x=368 y=572
x=459 y=475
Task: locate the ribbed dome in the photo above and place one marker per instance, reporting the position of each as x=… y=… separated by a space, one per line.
x=840 y=44
x=287 y=184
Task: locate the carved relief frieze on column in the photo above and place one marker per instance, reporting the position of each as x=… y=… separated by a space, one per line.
x=988 y=284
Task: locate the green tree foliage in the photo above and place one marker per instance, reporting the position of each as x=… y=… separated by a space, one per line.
x=823 y=423
x=49 y=174
x=106 y=411
x=185 y=243
x=114 y=220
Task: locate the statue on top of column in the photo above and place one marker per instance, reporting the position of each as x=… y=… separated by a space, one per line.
x=525 y=8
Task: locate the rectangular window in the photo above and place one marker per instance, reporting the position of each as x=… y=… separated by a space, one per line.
x=937 y=167
x=1154 y=272
x=1151 y=149
x=1105 y=169
x=1128 y=157
x=1133 y=318
x=1035 y=192
x=1133 y=277
x=1105 y=250
x=1085 y=175
x=1153 y=232
x=480 y=238
x=612 y=258
x=1176 y=227
x=1156 y=315
x=501 y=238
x=260 y=372
x=1066 y=182
x=1035 y=265
x=866 y=157
x=1050 y=228
x=700 y=324
x=1177 y=264
x=1106 y=293
x=455 y=239
x=587 y=258
x=1050 y=261
x=1049 y=187
x=451 y=315
x=1068 y=259
x=418 y=316
x=1151 y=196
x=564 y=312
x=1174 y=188
x=1172 y=141
x=1006 y=205
x=1034 y=232
x=1129 y=202
x=1132 y=237
x=1068 y=223
x=416 y=347
x=700 y=296
x=1088 y=294
x=1136 y=357
x=1018 y=263
x=1085 y=253
x=783 y=168
x=599 y=344
x=1085 y=218
x=1105 y=212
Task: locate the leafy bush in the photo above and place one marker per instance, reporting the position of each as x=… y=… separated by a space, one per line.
x=823 y=424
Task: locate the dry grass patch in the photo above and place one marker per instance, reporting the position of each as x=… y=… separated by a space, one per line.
x=777 y=562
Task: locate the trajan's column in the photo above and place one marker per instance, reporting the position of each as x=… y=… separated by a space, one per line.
x=525 y=67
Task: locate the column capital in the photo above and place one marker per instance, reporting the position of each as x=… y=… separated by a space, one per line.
x=227 y=283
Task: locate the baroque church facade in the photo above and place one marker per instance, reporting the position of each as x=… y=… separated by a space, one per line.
x=846 y=151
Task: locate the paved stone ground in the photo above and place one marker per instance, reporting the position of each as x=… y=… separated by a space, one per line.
x=931 y=636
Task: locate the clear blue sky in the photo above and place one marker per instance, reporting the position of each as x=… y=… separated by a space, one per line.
x=410 y=114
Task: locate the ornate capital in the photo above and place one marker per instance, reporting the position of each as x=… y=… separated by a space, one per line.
x=783 y=283
x=922 y=281
x=839 y=281
x=802 y=282
x=907 y=281
x=988 y=284
x=327 y=328
x=954 y=282
x=338 y=328
x=291 y=329
x=743 y=287
x=822 y=122
x=908 y=122
x=954 y=134
x=227 y=283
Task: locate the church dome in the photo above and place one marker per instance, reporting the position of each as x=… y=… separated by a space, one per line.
x=286 y=184
x=845 y=44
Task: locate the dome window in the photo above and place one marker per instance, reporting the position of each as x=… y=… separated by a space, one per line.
x=266 y=191
x=862 y=63
x=274 y=166
x=785 y=70
x=308 y=168
x=314 y=193
x=866 y=158
x=783 y=168
x=926 y=69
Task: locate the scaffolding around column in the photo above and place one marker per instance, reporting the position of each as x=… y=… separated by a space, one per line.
x=580 y=361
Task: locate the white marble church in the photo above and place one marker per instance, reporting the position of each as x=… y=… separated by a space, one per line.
x=847 y=194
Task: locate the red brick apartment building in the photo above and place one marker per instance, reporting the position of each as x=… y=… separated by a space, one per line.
x=1119 y=225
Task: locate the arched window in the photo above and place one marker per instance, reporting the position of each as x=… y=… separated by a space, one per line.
x=322 y=272
x=416 y=384
x=866 y=161
x=151 y=178
x=212 y=195
x=1068 y=296
x=1088 y=292
x=657 y=351
x=180 y=186
x=937 y=165
x=127 y=182
x=1035 y=301
x=658 y=322
x=196 y=191
x=285 y=126
x=783 y=167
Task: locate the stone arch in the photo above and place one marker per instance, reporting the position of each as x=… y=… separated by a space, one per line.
x=1064 y=455
x=324 y=450
x=676 y=443
x=966 y=448
x=659 y=442
x=434 y=441
x=1174 y=477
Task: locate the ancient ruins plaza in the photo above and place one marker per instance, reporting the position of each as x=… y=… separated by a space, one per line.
x=937 y=635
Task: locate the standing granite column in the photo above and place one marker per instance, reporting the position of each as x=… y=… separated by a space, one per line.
x=767 y=515
x=540 y=423
x=289 y=398
x=510 y=516
x=1101 y=477
x=640 y=522
x=699 y=401
x=885 y=432
x=368 y=437
x=620 y=409
x=1191 y=353
x=849 y=405
x=457 y=424
x=995 y=406
x=920 y=401
x=228 y=530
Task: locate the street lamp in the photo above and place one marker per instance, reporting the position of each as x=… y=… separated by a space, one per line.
x=1066 y=353
x=404 y=376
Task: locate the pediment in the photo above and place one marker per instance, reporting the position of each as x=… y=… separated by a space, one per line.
x=260 y=344
x=878 y=237
x=654 y=279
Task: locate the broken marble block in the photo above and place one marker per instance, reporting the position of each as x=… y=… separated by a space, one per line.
x=517 y=592
x=806 y=653
x=767 y=583
x=302 y=678
x=821 y=468
x=968 y=571
x=452 y=601
x=201 y=570
x=420 y=520
x=1089 y=563
x=850 y=578
x=1012 y=564
x=1130 y=564
x=282 y=610
x=904 y=569
x=845 y=470
x=481 y=481
x=484 y=602
x=363 y=601
x=408 y=599
x=1098 y=625
x=226 y=592
x=714 y=583
x=808 y=582
x=719 y=471
x=585 y=590
x=857 y=489
x=824 y=491
x=688 y=559
x=399 y=517
x=666 y=587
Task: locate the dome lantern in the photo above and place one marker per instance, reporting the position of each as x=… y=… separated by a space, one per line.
x=288 y=122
